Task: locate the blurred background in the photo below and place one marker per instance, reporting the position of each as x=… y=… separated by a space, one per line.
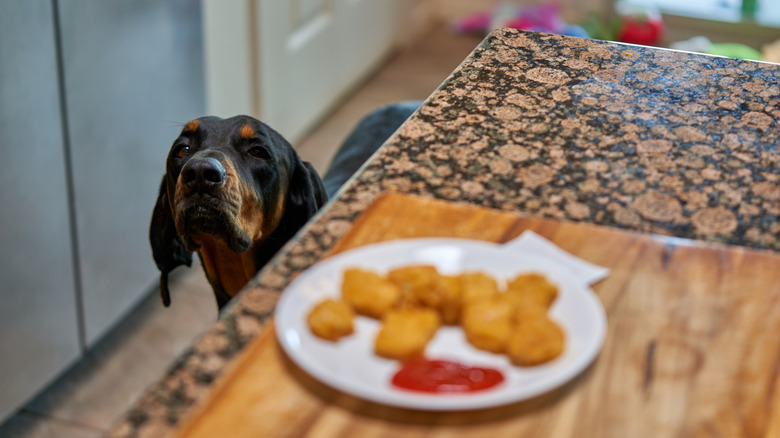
x=92 y=94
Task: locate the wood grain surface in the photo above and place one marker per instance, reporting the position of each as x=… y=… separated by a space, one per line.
x=692 y=349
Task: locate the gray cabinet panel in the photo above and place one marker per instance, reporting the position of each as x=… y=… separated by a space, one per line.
x=133 y=75
x=38 y=317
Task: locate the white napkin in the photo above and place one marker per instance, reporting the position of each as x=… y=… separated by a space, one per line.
x=533 y=243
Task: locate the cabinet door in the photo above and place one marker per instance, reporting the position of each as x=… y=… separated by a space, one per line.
x=295 y=59
x=38 y=318
x=133 y=75
x=312 y=51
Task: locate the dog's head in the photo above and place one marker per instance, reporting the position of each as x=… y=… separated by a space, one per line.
x=233 y=180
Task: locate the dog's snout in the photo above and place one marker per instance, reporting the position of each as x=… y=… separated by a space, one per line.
x=203 y=172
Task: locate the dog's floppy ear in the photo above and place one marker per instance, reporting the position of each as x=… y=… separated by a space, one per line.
x=167 y=249
x=307 y=192
x=305 y=196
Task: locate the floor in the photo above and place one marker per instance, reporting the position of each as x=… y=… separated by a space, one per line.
x=87 y=399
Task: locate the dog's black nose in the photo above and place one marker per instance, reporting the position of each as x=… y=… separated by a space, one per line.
x=203 y=172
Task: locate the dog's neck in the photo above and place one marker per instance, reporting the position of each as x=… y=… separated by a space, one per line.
x=225 y=268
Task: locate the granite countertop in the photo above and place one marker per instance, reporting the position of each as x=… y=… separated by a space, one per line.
x=625 y=136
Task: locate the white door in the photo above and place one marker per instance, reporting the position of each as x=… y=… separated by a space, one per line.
x=313 y=51
x=298 y=57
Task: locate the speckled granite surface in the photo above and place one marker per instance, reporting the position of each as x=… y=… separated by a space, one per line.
x=631 y=137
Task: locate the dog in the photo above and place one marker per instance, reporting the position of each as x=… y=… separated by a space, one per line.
x=235 y=191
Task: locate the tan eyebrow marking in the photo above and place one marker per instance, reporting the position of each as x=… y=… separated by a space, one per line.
x=247 y=132
x=191 y=126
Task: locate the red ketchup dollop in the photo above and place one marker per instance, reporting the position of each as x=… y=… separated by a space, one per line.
x=443 y=376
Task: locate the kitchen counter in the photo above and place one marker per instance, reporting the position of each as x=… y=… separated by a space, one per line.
x=636 y=138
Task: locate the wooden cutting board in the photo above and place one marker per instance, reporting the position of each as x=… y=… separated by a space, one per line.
x=693 y=346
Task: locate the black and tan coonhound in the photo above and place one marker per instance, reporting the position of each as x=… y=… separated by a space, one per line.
x=235 y=191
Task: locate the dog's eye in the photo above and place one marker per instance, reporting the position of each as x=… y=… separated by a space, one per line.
x=259 y=152
x=181 y=150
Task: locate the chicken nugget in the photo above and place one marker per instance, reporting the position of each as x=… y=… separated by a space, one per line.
x=487 y=324
x=524 y=309
x=420 y=285
x=536 y=339
x=462 y=288
x=452 y=300
x=477 y=286
x=406 y=332
x=331 y=319
x=369 y=293
x=531 y=288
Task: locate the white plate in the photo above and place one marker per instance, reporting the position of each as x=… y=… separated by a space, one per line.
x=351 y=366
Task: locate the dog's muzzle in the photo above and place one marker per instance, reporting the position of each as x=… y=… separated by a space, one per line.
x=203 y=174
x=207 y=206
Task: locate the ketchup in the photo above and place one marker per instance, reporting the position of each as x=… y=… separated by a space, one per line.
x=442 y=376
